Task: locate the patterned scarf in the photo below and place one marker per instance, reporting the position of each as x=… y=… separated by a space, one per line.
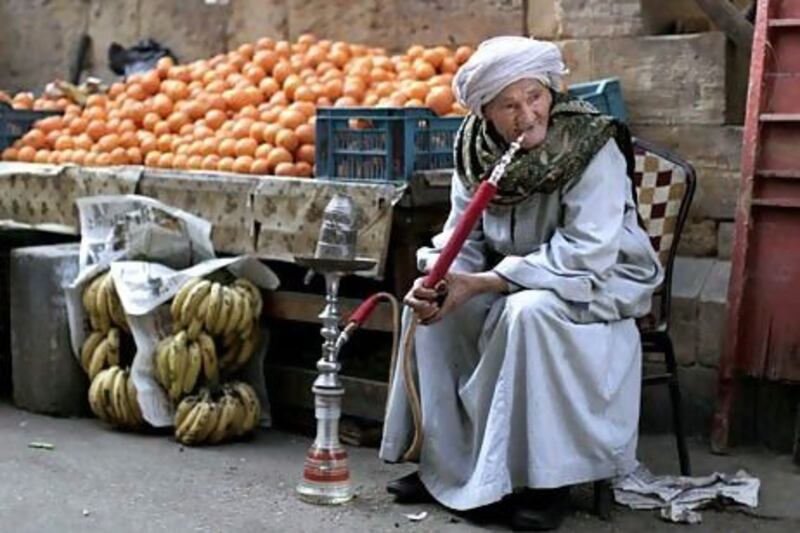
x=576 y=132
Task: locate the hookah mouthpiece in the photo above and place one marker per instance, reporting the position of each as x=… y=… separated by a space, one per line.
x=500 y=168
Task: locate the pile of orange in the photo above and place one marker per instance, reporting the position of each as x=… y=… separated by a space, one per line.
x=249 y=111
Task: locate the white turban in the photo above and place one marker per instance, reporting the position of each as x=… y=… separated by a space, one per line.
x=499 y=62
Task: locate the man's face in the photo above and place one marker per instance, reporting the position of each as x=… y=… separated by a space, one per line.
x=521 y=108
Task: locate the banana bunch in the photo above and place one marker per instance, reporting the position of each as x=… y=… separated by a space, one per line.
x=102 y=304
x=99 y=350
x=201 y=304
x=112 y=397
x=201 y=419
x=179 y=363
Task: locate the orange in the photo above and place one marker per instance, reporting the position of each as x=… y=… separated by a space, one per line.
x=266 y=59
x=462 y=54
x=151 y=159
x=176 y=120
x=440 y=100
x=270 y=132
x=243 y=164
x=246 y=146
x=303 y=169
x=225 y=164
x=26 y=154
x=10 y=154
x=227 y=148
x=291 y=119
x=260 y=167
x=134 y=155
x=263 y=150
x=210 y=162
x=241 y=128
x=64 y=143
x=215 y=118
x=278 y=155
x=305 y=153
x=284 y=169
x=194 y=162
x=305 y=134
x=286 y=138
x=268 y=87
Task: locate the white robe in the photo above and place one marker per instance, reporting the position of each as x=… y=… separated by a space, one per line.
x=538 y=388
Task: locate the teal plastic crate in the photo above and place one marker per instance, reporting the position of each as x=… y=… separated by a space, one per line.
x=605 y=95
x=14 y=123
x=390 y=144
x=382 y=144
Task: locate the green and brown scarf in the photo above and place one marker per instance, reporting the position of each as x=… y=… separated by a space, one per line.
x=576 y=132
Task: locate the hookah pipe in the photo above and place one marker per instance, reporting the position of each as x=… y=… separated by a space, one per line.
x=474 y=210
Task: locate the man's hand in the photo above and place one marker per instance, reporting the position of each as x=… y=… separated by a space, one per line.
x=458 y=287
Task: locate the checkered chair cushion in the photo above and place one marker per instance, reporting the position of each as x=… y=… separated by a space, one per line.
x=660 y=187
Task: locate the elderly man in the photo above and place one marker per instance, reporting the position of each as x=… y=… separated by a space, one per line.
x=528 y=371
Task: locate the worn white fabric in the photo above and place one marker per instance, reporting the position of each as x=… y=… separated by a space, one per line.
x=539 y=388
x=499 y=62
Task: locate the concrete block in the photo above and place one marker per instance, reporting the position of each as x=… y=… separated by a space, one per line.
x=192 y=30
x=46 y=376
x=712 y=314
x=370 y=22
x=452 y=22
x=699 y=239
x=111 y=22
x=716 y=194
x=706 y=146
x=252 y=19
x=725 y=240
x=560 y=19
x=577 y=55
x=38 y=41
x=688 y=278
x=667 y=79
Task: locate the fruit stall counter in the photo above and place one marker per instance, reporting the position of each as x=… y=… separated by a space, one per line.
x=273 y=218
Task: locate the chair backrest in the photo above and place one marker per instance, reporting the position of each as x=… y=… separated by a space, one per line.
x=664 y=189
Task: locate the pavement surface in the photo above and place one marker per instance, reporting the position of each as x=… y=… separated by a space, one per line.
x=98 y=479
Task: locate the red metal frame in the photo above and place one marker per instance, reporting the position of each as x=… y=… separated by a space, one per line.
x=762 y=339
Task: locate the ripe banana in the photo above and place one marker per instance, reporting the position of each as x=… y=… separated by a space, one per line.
x=247 y=313
x=115 y=309
x=227 y=415
x=88 y=348
x=184 y=408
x=113 y=346
x=133 y=400
x=194 y=365
x=251 y=403
x=246 y=350
x=224 y=313
x=257 y=303
x=237 y=309
x=211 y=423
x=101 y=303
x=208 y=351
x=95 y=401
x=231 y=355
x=98 y=359
x=120 y=400
x=193 y=300
x=214 y=306
x=195 y=424
x=180 y=297
x=161 y=364
x=197 y=321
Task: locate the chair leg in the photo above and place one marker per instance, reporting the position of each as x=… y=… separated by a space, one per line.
x=677 y=411
x=603 y=499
